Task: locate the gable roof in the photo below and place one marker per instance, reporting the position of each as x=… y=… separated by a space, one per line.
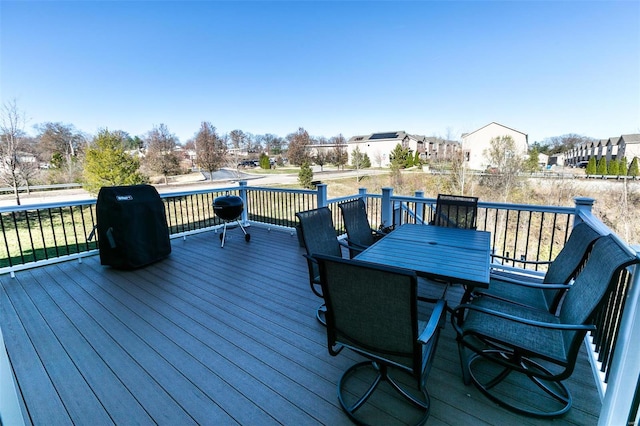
x=632 y=138
x=498 y=124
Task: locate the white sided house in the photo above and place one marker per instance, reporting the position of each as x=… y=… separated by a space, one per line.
x=378 y=146
x=477 y=142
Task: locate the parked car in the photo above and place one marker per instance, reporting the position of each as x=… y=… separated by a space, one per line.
x=247 y=163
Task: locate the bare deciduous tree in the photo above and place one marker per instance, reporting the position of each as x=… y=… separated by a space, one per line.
x=298 y=142
x=211 y=149
x=161 y=157
x=12 y=123
x=239 y=140
x=506 y=164
x=321 y=158
x=59 y=138
x=272 y=144
x=339 y=155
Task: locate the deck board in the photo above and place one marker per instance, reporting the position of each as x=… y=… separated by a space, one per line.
x=209 y=335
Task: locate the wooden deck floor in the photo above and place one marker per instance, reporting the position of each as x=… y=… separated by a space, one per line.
x=209 y=335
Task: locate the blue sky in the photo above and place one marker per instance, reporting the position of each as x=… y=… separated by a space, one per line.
x=545 y=68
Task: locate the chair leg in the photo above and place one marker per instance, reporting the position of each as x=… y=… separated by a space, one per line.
x=381 y=374
x=553 y=389
x=464 y=364
x=320 y=314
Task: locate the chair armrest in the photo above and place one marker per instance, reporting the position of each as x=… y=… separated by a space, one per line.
x=504 y=272
x=531 y=284
x=555 y=326
x=434 y=321
x=310 y=258
x=379 y=234
x=516 y=281
x=354 y=248
x=516 y=260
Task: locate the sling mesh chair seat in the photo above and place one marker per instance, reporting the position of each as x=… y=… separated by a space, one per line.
x=456 y=211
x=360 y=235
x=319 y=237
x=372 y=310
x=519 y=350
x=518 y=286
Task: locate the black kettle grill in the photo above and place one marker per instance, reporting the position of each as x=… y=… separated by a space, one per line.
x=229 y=208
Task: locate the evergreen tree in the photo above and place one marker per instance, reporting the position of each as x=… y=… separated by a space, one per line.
x=416 y=159
x=305 y=176
x=107 y=164
x=623 y=167
x=612 y=170
x=591 y=167
x=360 y=160
x=532 y=163
x=602 y=166
x=366 y=162
x=409 y=162
x=633 y=168
x=264 y=161
x=400 y=157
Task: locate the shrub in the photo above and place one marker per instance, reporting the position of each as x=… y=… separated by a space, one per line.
x=602 y=166
x=305 y=176
x=633 y=168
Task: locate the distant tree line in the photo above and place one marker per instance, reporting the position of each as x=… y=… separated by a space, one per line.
x=60 y=153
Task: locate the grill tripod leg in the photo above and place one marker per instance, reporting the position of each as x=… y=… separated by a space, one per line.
x=224 y=234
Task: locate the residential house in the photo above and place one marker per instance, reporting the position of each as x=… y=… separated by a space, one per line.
x=629 y=146
x=477 y=142
x=440 y=149
x=378 y=146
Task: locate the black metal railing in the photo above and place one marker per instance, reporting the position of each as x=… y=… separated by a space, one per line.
x=524 y=236
x=33 y=234
x=278 y=206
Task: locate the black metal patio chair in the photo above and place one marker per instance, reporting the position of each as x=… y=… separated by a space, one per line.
x=456 y=211
x=521 y=355
x=360 y=235
x=372 y=310
x=319 y=237
x=519 y=286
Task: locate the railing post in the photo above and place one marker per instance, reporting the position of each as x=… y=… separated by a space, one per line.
x=322 y=194
x=386 y=208
x=243 y=194
x=363 y=194
x=583 y=207
x=625 y=368
x=419 y=207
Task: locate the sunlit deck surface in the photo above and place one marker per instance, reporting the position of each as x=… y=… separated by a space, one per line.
x=209 y=335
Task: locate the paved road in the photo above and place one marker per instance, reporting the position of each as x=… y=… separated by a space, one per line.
x=222 y=178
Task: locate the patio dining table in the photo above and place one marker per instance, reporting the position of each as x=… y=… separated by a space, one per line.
x=447 y=254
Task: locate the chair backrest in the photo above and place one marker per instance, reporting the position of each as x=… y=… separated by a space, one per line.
x=456 y=211
x=356 y=223
x=599 y=276
x=318 y=232
x=567 y=263
x=373 y=310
